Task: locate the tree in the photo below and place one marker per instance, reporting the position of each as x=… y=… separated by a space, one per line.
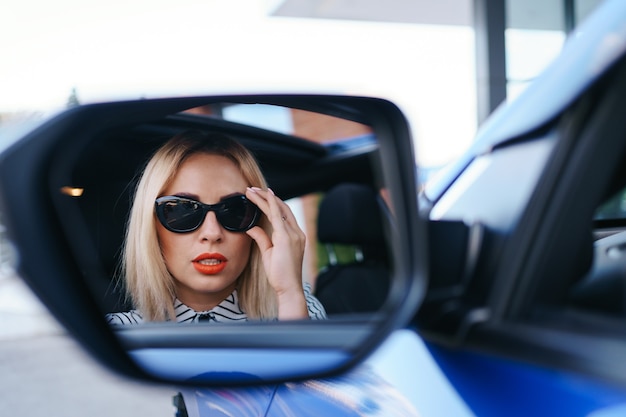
x=72 y=100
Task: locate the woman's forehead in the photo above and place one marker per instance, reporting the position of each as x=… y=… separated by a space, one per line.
x=207 y=176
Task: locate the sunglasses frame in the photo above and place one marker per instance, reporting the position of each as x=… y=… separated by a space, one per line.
x=206 y=208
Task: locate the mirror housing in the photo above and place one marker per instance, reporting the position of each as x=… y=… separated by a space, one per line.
x=55 y=253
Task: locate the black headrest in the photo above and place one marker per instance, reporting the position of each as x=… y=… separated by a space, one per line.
x=350 y=214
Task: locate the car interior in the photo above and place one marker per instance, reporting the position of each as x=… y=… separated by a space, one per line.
x=351 y=214
x=603 y=288
x=344 y=166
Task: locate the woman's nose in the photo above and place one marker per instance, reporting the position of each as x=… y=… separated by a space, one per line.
x=211 y=229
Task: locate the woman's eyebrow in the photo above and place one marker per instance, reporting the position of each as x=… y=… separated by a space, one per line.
x=232 y=195
x=197 y=198
x=187 y=195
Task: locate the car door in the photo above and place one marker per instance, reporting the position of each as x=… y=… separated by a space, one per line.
x=531 y=326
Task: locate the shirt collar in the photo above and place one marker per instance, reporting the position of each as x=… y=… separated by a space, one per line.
x=226 y=311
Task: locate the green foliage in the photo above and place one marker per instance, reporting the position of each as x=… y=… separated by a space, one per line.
x=345 y=254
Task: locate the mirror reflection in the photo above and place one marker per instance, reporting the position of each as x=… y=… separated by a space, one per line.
x=233 y=212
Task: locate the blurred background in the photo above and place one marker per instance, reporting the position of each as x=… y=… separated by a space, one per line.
x=447 y=64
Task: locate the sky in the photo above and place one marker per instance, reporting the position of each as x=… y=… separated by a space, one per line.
x=123 y=49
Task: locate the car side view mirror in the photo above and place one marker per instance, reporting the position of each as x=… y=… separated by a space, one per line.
x=66 y=189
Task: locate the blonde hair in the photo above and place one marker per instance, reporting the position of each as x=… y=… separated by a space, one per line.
x=149 y=285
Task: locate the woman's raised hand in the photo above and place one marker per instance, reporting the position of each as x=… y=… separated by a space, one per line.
x=282 y=253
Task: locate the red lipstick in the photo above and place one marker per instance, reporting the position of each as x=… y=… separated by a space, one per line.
x=210 y=263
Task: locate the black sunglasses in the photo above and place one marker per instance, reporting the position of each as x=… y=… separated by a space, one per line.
x=182 y=215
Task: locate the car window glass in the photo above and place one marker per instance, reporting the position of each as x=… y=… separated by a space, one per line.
x=311 y=126
x=304 y=155
x=614 y=208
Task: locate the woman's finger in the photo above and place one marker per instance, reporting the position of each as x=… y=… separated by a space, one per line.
x=256 y=195
x=260 y=237
x=285 y=211
x=279 y=210
x=276 y=210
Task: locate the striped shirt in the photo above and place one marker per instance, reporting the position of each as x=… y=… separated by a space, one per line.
x=226 y=311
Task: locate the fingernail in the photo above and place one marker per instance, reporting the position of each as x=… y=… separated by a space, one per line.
x=254 y=189
x=271 y=191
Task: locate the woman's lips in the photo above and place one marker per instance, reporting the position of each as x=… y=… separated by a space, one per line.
x=210 y=263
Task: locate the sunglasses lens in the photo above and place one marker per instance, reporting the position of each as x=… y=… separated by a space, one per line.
x=237 y=214
x=179 y=215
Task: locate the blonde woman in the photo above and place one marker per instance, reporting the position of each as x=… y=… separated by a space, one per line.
x=208 y=240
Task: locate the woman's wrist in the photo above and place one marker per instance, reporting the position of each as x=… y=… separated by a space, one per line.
x=292 y=305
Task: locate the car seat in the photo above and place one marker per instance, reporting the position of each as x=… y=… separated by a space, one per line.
x=351 y=214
